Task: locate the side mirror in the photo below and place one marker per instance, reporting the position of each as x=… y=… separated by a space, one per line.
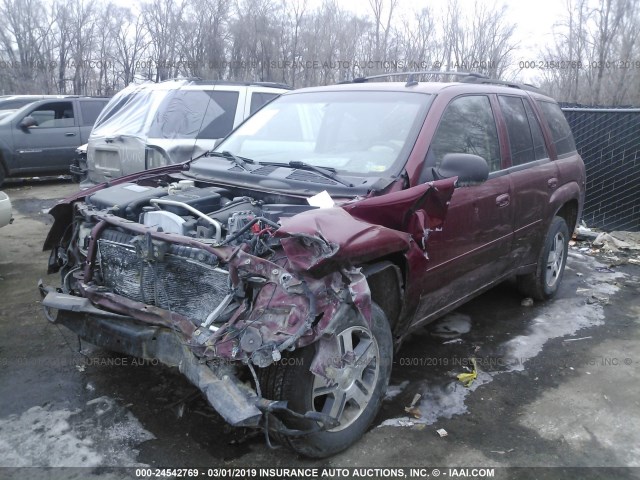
x=470 y=169
x=28 y=122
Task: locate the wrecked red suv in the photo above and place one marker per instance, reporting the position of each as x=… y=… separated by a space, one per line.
x=282 y=271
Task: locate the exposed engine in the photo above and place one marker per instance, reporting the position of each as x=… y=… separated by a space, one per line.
x=200 y=212
x=176 y=277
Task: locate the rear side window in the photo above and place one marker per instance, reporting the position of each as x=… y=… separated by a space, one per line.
x=559 y=127
x=525 y=137
x=467 y=126
x=220 y=115
x=258 y=99
x=539 y=147
x=90 y=111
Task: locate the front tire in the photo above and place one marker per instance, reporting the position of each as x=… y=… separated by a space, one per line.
x=362 y=369
x=544 y=282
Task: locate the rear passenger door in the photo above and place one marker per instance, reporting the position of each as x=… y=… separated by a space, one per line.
x=532 y=174
x=49 y=146
x=471 y=251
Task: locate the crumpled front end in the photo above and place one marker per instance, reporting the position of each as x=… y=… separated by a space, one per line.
x=216 y=284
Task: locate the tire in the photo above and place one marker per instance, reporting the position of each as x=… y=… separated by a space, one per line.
x=544 y=282
x=2 y=174
x=292 y=381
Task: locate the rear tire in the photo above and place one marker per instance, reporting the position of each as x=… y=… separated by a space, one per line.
x=354 y=398
x=544 y=282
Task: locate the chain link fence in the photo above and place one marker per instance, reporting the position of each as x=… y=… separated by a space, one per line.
x=608 y=140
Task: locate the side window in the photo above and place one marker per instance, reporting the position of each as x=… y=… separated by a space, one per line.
x=221 y=112
x=559 y=127
x=258 y=99
x=90 y=111
x=54 y=114
x=467 y=126
x=539 y=148
x=520 y=140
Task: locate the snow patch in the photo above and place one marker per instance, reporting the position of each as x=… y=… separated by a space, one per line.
x=50 y=437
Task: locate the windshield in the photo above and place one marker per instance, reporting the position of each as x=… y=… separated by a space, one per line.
x=358 y=132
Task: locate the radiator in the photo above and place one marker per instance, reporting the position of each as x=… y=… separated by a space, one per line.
x=187 y=281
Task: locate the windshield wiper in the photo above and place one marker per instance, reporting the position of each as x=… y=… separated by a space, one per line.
x=240 y=161
x=326 y=172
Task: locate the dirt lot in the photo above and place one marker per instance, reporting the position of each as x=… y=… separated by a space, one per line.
x=557 y=384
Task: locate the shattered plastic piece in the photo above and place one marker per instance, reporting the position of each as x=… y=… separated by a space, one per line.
x=585 y=233
x=468 y=378
x=405 y=423
x=80 y=368
x=321 y=200
x=442 y=432
x=575 y=339
x=412 y=409
x=527 y=302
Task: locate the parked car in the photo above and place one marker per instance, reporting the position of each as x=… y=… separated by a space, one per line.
x=41 y=137
x=14 y=102
x=154 y=124
x=282 y=271
x=5 y=210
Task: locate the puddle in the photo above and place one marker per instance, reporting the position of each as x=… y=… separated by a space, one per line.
x=439 y=401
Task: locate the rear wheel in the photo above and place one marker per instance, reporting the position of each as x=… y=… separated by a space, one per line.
x=544 y=282
x=359 y=365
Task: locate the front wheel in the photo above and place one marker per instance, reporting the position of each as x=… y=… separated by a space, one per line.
x=544 y=282
x=359 y=366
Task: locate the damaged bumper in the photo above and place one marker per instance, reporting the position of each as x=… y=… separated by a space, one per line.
x=232 y=399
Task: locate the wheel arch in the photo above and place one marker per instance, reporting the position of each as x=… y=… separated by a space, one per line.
x=569 y=212
x=386 y=280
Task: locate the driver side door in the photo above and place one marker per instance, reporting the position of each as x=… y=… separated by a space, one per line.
x=48 y=146
x=471 y=250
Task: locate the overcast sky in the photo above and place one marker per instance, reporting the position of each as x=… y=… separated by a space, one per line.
x=534 y=20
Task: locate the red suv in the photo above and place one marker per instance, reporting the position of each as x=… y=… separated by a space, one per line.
x=281 y=271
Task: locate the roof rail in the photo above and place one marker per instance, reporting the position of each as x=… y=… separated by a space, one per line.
x=411 y=80
x=200 y=81
x=493 y=81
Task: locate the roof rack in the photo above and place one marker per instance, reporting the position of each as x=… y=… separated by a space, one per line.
x=467 y=77
x=411 y=80
x=493 y=81
x=200 y=81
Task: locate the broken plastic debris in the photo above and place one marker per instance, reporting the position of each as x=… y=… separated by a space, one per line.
x=80 y=368
x=442 y=432
x=527 y=302
x=575 y=339
x=502 y=452
x=412 y=409
x=468 y=378
x=321 y=200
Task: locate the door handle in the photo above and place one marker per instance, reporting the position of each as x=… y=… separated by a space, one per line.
x=70 y=134
x=553 y=183
x=503 y=200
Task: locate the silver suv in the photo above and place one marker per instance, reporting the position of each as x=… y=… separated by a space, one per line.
x=156 y=124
